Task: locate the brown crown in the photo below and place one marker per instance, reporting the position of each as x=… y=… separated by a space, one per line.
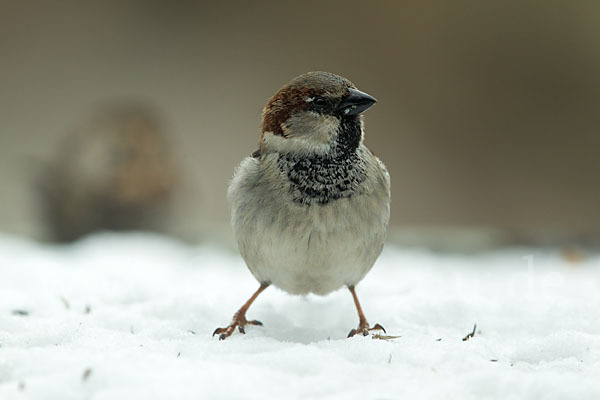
x=292 y=97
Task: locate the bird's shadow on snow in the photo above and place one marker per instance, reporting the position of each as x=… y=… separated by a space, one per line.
x=308 y=319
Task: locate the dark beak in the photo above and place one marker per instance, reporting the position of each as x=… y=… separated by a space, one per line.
x=355 y=102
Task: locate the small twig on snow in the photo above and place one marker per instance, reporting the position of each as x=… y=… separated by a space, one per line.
x=86 y=374
x=65 y=302
x=470 y=334
x=384 y=337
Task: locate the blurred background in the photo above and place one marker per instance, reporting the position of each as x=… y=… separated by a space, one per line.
x=134 y=114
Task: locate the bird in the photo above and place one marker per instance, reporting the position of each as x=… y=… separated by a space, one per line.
x=310 y=208
x=116 y=171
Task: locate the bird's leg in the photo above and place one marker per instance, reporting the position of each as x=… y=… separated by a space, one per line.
x=363 y=325
x=239 y=318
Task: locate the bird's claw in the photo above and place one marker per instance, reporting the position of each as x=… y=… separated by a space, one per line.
x=238 y=321
x=364 y=329
x=242 y=329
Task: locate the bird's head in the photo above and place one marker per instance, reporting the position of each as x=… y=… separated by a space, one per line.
x=314 y=114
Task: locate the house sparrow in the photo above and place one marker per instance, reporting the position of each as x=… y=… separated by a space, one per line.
x=310 y=208
x=117 y=171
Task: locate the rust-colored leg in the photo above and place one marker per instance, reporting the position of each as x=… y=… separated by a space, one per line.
x=363 y=325
x=239 y=318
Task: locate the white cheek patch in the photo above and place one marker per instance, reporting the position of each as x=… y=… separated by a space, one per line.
x=309 y=99
x=318 y=127
x=305 y=132
x=294 y=144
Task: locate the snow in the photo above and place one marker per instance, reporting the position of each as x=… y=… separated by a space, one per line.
x=131 y=317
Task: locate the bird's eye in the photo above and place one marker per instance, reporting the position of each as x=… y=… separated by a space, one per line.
x=320 y=102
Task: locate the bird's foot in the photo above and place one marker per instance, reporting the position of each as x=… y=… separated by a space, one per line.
x=239 y=321
x=363 y=328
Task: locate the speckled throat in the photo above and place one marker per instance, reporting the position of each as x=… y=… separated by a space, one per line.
x=320 y=179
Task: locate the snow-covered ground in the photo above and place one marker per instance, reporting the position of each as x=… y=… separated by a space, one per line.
x=131 y=317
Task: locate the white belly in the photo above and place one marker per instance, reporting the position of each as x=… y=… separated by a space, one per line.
x=323 y=250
